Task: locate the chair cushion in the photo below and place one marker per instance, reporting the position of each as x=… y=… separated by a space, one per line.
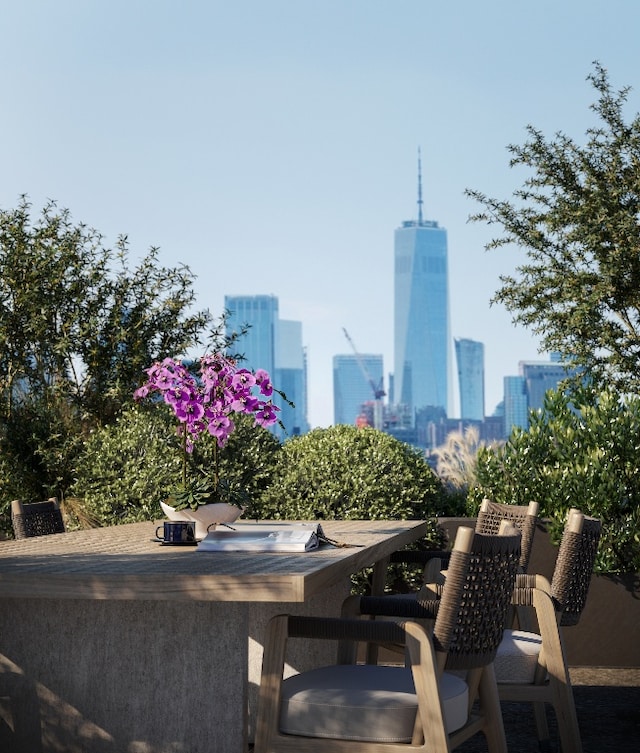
x=517 y=657
x=363 y=702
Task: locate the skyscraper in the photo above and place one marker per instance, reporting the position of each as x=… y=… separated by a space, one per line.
x=291 y=377
x=351 y=389
x=261 y=313
x=541 y=376
x=275 y=345
x=422 y=342
x=516 y=406
x=470 y=360
x=526 y=392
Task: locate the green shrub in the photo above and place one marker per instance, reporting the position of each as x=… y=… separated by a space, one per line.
x=343 y=473
x=348 y=473
x=582 y=450
x=126 y=469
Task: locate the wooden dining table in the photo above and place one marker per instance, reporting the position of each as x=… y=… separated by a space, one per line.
x=111 y=642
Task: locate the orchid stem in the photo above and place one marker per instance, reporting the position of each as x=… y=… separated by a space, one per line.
x=184 y=457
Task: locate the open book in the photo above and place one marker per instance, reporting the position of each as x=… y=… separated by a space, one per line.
x=264 y=537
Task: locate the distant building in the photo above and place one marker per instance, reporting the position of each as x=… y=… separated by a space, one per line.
x=525 y=393
x=516 y=404
x=352 y=391
x=422 y=342
x=290 y=376
x=275 y=345
x=539 y=377
x=260 y=312
x=470 y=361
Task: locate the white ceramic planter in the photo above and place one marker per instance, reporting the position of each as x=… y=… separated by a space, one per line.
x=205 y=516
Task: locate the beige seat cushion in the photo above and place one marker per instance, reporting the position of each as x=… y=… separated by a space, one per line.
x=517 y=657
x=363 y=702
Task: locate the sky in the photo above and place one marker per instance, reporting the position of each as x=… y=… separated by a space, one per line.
x=272 y=146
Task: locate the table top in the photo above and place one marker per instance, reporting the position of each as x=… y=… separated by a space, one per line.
x=126 y=562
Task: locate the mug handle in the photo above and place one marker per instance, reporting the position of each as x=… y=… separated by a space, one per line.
x=158 y=535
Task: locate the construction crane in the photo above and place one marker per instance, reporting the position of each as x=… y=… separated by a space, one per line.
x=377 y=389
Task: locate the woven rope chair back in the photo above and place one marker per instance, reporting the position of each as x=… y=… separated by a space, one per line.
x=523 y=517
x=476 y=599
x=574 y=565
x=36 y=518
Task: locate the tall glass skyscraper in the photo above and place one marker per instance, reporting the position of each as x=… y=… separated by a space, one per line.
x=422 y=343
x=470 y=360
x=275 y=345
x=261 y=313
x=516 y=405
x=291 y=377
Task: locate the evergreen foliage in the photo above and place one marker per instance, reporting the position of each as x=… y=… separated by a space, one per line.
x=582 y=450
x=343 y=472
x=125 y=469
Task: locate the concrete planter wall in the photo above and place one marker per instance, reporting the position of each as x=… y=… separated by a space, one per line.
x=608 y=634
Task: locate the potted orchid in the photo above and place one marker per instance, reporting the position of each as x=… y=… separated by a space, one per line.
x=204 y=396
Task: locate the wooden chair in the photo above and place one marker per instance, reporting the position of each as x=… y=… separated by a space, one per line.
x=490 y=516
x=531 y=664
x=36 y=518
x=370 y=708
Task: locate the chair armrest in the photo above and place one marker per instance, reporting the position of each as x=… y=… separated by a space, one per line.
x=421 y=557
x=341 y=629
x=397 y=606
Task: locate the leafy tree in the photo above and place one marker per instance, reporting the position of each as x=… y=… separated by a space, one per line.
x=582 y=450
x=577 y=219
x=76 y=320
x=78 y=324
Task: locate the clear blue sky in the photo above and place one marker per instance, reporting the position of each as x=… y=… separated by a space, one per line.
x=271 y=146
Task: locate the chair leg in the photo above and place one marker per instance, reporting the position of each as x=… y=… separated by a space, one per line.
x=490 y=705
x=553 y=656
x=542 y=727
x=565 y=709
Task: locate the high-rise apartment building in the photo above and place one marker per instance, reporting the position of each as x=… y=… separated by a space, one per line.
x=422 y=342
x=470 y=361
x=275 y=345
x=351 y=388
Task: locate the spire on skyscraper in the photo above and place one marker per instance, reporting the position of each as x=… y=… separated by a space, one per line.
x=419 y=188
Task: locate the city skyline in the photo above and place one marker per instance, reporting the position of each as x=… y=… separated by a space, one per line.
x=271 y=147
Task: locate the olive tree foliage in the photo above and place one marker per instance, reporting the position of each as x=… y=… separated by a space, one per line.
x=577 y=218
x=127 y=468
x=78 y=324
x=581 y=450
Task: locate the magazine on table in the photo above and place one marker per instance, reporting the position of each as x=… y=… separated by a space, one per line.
x=264 y=537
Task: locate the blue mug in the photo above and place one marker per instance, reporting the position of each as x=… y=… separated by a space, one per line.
x=177 y=532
